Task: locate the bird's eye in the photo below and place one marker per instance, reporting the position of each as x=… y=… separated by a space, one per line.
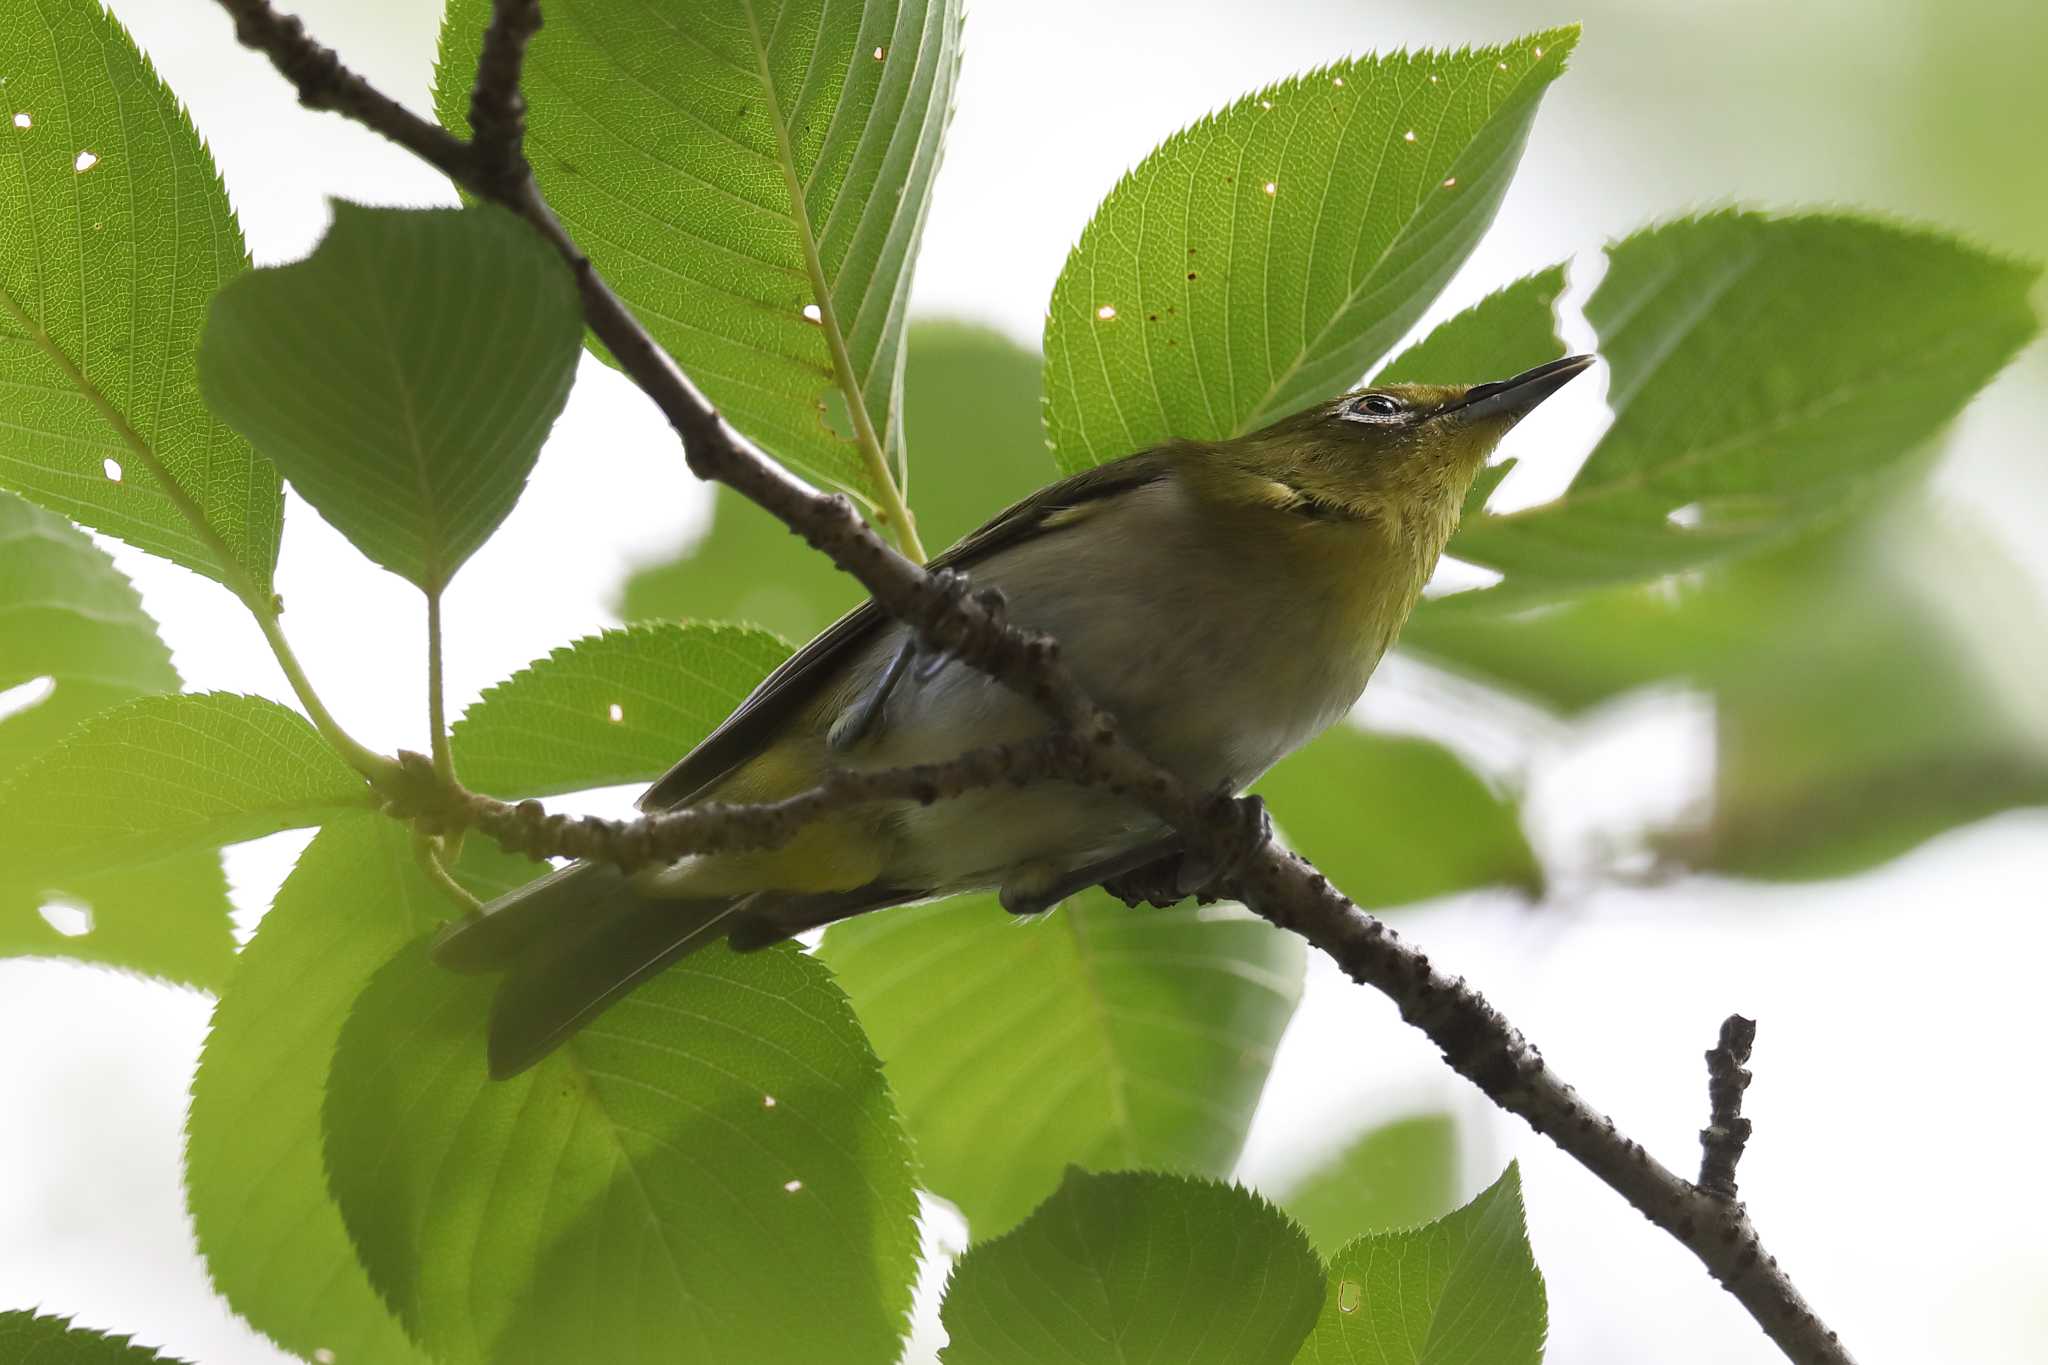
x=1373 y=405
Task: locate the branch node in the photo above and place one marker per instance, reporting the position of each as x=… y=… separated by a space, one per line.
x=1727 y=1131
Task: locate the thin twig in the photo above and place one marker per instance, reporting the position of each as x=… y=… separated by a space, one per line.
x=1727 y=1131
x=1475 y=1039
x=713 y=826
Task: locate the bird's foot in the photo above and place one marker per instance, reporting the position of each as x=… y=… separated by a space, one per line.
x=954 y=584
x=1180 y=874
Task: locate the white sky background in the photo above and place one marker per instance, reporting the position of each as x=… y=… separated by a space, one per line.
x=1897 y=1097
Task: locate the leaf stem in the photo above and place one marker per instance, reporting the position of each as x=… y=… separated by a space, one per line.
x=437 y=708
x=426 y=849
x=260 y=601
x=893 y=512
x=375 y=767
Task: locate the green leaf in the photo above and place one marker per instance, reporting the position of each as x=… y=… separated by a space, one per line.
x=1264 y=258
x=69 y=619
x=1767 y=375
x=728 y=164
x=712 y=1171
x=73 y=629
x=610 y=709
x=168 y=919
x=1393 y=819
x=1101 y=1037
x=403 y=376
x=1398 y=1175
x=31 y=1339
x=104 y=276
x=271 y=1235
x=971 y=411
x=159 y=776
x=1463 y=1291
x=1136 y=1266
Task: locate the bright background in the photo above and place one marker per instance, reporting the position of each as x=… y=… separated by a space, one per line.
x=1897 y=1101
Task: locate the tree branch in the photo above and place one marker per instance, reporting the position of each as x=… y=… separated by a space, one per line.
x=497 y=106
x=438 y=807
x=1727 y=1131
x=1474 y=1038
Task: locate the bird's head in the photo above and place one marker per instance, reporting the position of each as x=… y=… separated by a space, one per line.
x=1402 y=454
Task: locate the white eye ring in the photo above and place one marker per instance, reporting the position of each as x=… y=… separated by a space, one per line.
x=1373 y=407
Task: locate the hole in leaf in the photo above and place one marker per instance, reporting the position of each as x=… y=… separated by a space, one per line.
x=1106 y=312
x=112 y=469
x=1265 y=104
x=85 y=161
x=22 y=696
x=882 y=52
x=767 y=1101
x=1686 y=517
x=322 y=1356
x=813 y=313
x=1408 y=136
x=1337 y=80
x=22 y=120
x=1450 y=182
x=616 y=712
x=1272 y=188
x=1349 y=1293
x=792 y=1186
x=73 y=919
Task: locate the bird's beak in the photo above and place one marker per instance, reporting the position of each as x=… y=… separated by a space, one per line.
x=1513 y=399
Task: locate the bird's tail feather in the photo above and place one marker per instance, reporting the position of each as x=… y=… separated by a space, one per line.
x=573 y=942
x=570 y=945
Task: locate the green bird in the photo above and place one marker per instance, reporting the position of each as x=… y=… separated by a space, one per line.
x=1226 y=601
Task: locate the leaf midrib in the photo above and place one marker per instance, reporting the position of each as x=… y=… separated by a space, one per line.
x=1091 y=990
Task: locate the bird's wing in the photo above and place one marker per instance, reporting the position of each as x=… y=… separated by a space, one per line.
x=792 y=686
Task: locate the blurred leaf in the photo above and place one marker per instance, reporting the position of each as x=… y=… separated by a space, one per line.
x=1767 y=375
x=712 y=1171
x=162 y=775
x=403 y=376
x=1462 y=1291
x=551 y=726
x=1102 y=1037
x=724 y=164
x=1398 y=1175
x=1136 y=1266
x=1852 y=722
x=114 y=232
x=971 y=411
x=31 y=1339
x=69 y=616
x=1858 y=725
x=272 y=1237
x=1393 y=819
x=1265 y=257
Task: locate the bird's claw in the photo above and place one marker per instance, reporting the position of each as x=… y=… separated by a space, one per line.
x=1181 y=874
x=953 y=584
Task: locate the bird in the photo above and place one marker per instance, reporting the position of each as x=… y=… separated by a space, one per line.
x=1224 y=600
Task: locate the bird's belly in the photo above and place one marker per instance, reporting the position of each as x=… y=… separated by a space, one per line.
x=1185 y=696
